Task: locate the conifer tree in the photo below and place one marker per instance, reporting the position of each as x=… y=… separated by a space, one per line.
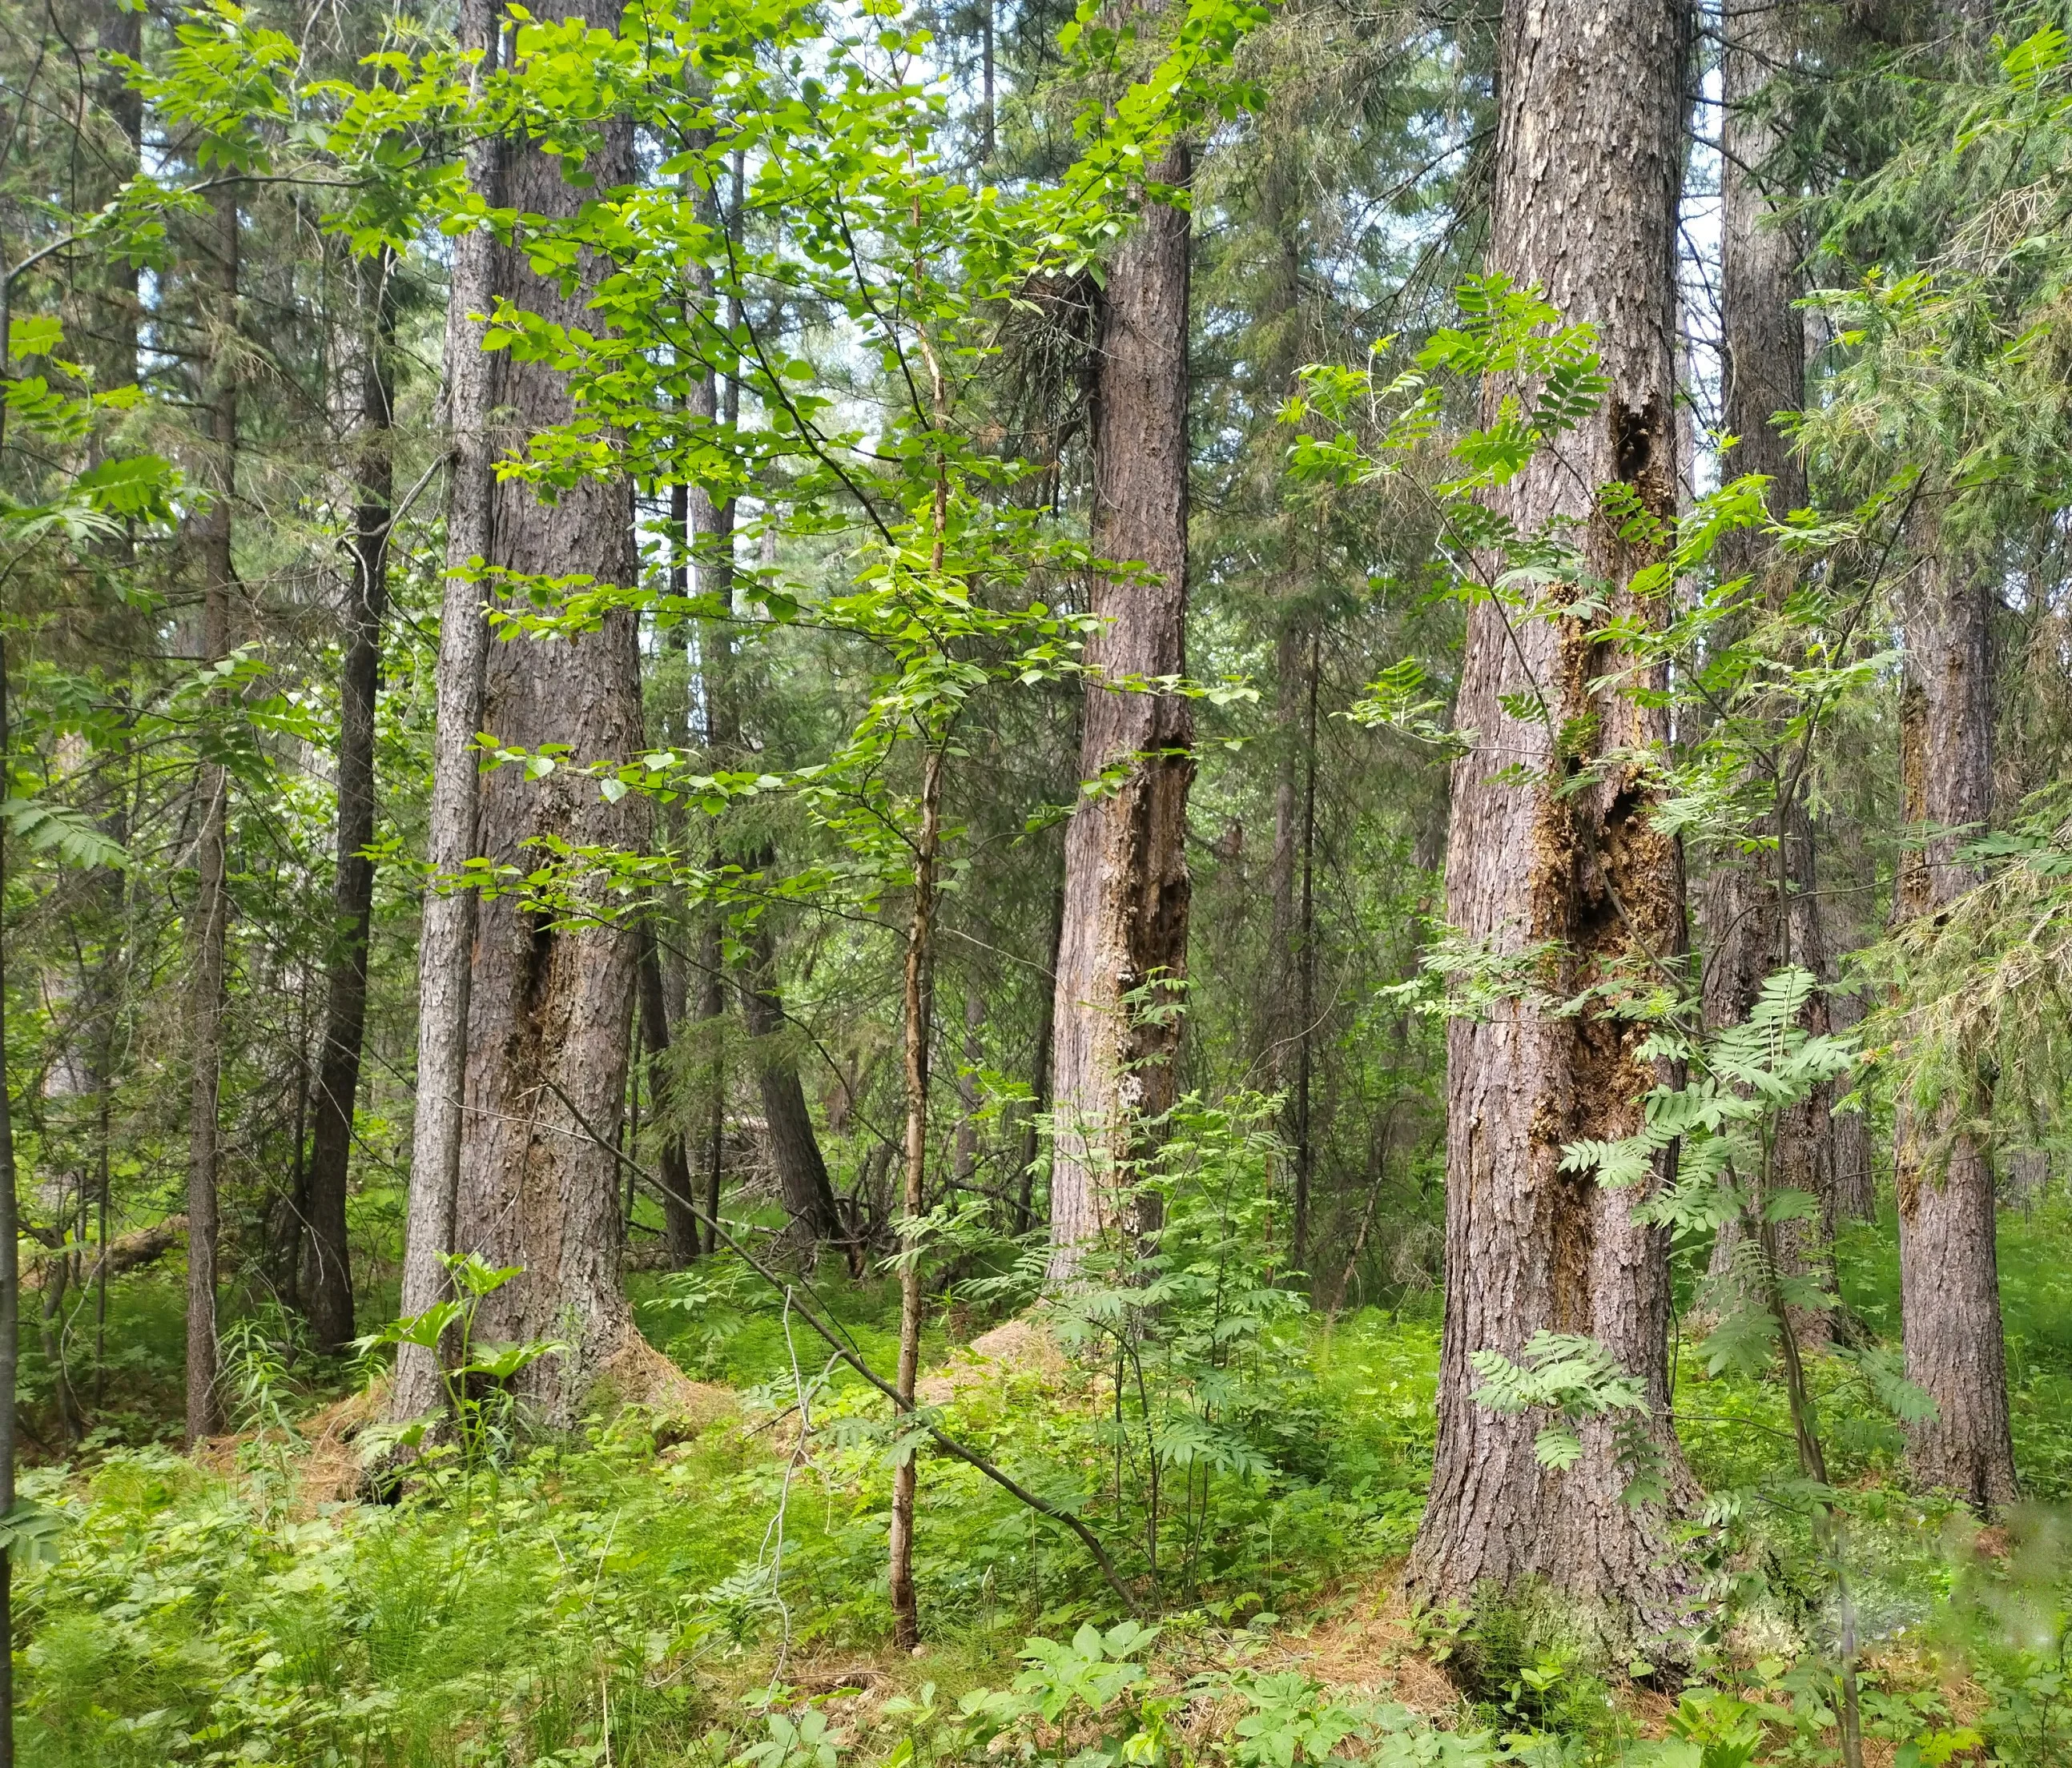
x=1556 y=845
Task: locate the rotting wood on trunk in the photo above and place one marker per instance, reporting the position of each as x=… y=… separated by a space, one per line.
x=551 y=1000
x=1117 y=1024
x=1589 y=156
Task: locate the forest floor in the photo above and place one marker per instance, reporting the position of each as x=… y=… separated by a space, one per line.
x=697 y=1575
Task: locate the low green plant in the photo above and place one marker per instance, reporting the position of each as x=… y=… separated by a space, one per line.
x=476 y=1377
x=1089 y=1702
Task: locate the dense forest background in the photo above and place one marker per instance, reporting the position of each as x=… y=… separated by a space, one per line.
x=1170 y=881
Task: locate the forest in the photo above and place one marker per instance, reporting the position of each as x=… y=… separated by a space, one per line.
x=1112 y=884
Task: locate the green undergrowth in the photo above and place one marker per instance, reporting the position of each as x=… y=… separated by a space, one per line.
x=643 y=1594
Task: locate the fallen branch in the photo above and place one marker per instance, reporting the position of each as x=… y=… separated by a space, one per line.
x=124 y=1253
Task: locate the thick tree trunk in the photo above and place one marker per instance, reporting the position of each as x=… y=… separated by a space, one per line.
x=206 y=930
x=550 y=1006
x=802 y=1174
x=1760 y=279
x=327 y=1288
x=1589 y=126
x=1117 y=1024
x=474 y=390
x=1949 y=1273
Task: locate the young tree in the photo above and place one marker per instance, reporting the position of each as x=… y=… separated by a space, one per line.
x=1552 y=846
x=327 y=1289
x=1760 y=907
x=220 y=373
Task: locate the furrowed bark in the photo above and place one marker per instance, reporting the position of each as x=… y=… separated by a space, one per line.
x=1588 y=159
x=1115 y=1021
x=1949 y=1272
x=447 y=939
x=551 y=1001
x=327 y=1286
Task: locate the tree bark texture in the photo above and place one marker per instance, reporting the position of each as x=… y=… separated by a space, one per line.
x=802 y=1173
x=474 y=390
x=679 y=1219
x=1949 y=1272
x=1849 y=1132
x=326 y=1288
x=1115 y=1023
x=1588 y=156
x=550 y=1003
x=918 y=993
x=1760 y=910
x=1759 y=274
x=208 y=929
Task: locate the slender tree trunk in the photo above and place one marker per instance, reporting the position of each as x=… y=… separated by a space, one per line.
x=1124 y=952
x=57 y=1280
x=1278 y=1009
x=474 y=390
x=550 y=1006
x=920 y=961
x=802 y=1173
x=712 y=1008
x=1761 y=911
x=986 y=26
x=680 y=1220
x=1855 y=1187
x=328 y=1291
x=969 y=1096
x=207 y=928
x=1280 y=357
x=10 y=1247
x=1588 y=158
x=1305 y=981
x=1039 y=1100
x=1949 y=1272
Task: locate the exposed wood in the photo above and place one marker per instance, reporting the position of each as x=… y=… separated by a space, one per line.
x=551 y=1000
x=1116 y=1023
x=1589 y=156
